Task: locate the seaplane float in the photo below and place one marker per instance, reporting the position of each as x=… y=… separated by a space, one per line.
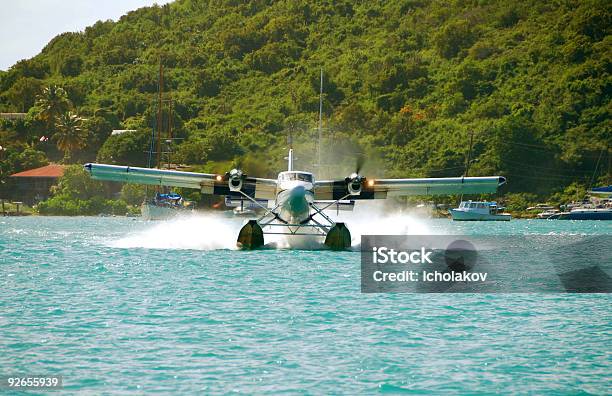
x=295 y=203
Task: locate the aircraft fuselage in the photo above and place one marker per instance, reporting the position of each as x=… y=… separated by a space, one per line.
x=294 y=195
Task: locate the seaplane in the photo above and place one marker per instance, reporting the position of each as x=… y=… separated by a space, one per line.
x=295 y=203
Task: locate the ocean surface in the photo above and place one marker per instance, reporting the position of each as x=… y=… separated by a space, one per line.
x=124 y=306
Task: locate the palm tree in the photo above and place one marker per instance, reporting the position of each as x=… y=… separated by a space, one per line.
x=69 y=136
x=53 y=101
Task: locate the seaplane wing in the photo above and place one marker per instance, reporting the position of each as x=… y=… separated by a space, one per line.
x=207 y=183
x=361 y=188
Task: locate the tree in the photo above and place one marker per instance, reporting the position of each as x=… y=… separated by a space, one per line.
x=133 y=194
x=128 y=148
x=18 y=158
x=29 y=158
x=77 y=183
x=69 y=136
x=71 y=66
x=98 y=129
x=222 y=145
x=193 y=152
x=453 y=38
x=53 y=101
x=23 y=93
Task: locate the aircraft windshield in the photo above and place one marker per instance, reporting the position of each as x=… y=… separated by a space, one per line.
x=297 y=176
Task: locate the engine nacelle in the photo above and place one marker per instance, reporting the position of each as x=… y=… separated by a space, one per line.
x=234 y=179
x=354 y=183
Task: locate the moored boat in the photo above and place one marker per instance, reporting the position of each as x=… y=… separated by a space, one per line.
x=165 y=206
x=584 y=214
x=595 y=208
x=244 y=208
x=547 y=214
x=479 y=211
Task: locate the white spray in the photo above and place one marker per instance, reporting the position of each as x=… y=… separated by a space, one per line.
x=213 y=231
x=208 y=231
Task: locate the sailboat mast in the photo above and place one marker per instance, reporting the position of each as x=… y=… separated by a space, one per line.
x=159 y=113
x=320 y=122
x=170 y=141
x=468 y=159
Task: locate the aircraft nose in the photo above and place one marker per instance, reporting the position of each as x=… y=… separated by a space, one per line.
x=297 y=192
x=297 y=200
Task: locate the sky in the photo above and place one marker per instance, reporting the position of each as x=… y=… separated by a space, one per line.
x=26 y=26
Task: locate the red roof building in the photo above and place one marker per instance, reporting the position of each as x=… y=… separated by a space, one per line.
x=33 y=185
x=52 y=170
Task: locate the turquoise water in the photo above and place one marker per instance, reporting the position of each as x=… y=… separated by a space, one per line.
x=122 y=306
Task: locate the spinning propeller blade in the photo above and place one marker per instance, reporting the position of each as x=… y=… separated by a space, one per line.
x=359 y=163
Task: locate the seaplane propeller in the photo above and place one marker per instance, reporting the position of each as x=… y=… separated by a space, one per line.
x=355 y=181
x=235 y=179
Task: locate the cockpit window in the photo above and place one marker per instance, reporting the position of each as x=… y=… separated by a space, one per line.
x=297 y=176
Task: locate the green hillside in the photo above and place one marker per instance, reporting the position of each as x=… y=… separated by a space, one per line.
x=406 y=82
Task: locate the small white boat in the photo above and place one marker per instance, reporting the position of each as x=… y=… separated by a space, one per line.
x=548 y=213
x=244 y=208
x=541 y=207
x=479 y=211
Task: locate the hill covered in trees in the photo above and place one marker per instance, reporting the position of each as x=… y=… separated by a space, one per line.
x=408 y=82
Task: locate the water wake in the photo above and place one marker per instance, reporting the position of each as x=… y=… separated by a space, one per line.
x=373 y=218
x=213 y=231
x=209 y=231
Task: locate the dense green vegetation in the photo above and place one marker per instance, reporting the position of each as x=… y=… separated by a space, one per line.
x=406 y=82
